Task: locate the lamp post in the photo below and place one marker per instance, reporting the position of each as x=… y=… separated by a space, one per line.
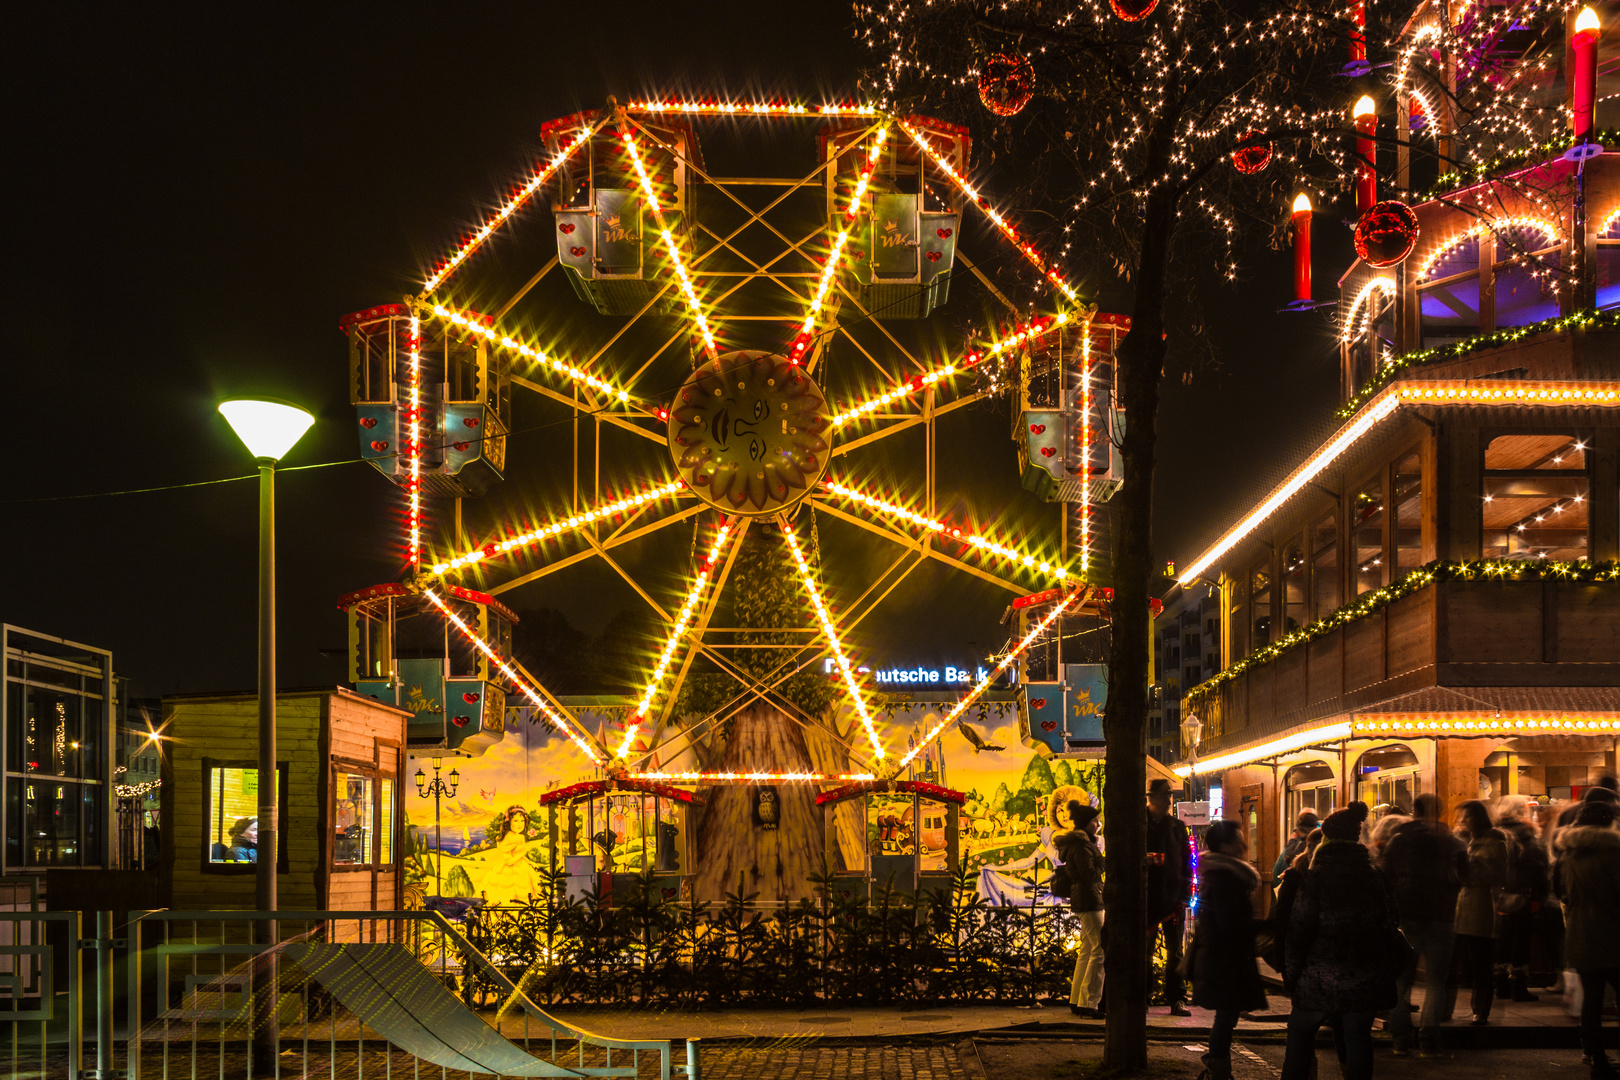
x=1192 y=732
x=268 y=429
x=439 y=790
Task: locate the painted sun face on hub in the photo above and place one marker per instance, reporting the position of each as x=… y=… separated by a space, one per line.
x=748 y=433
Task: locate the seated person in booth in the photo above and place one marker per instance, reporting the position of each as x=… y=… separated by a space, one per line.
x=243 y=845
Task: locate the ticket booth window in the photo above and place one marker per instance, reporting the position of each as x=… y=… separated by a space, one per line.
x=1311 y=786
x=362 y=819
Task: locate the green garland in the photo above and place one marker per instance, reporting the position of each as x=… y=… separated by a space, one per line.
x=1448 y=182
x=1440 y=570
x=1585 y=319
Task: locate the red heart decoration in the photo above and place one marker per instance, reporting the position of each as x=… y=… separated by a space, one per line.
x=461 y=721
x=1048 y=451
x=471 y=421
x=460 y=446
x=1037 y=703
x=933 y=256
x=368 y=421
x=379 y=446
x=857 y=254
x=576 y=252
x=469 y=697
x=1048 y=725
x=943 y=233
x=566 y=227
x=1037 y=429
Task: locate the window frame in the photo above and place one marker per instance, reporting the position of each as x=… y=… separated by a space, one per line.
x=209 y=866
x=378 y=774
x=1580 y=433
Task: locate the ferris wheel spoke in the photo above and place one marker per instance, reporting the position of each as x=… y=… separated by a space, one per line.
x=551 y=364
x=925 y=545
x=729 y=533
x=984 y=683
x=547 y=706
x=536 y=180
x=561 y=526
x=672 y=247
x=589 y=553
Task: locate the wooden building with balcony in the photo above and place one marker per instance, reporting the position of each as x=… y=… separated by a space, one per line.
x=1430 y=601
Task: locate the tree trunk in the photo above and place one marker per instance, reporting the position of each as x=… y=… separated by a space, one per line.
x=1141 y=366
x=775 y=863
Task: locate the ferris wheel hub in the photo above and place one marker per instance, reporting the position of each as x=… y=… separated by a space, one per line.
x=748 y=432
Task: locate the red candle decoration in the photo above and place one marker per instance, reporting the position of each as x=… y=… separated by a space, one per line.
x=1302 y=249
x=1366 y=117
x=1006 y=83
x=1133 y=10
x=1584 y=47
x=1386 y=234
x=1254 y=157
x=1358 y=31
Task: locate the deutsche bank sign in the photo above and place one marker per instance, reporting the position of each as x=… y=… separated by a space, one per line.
x=922 y=676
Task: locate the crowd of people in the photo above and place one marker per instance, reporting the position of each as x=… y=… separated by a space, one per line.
x=1478 y=902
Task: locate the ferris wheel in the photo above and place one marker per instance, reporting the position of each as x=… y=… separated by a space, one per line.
x=753 y=349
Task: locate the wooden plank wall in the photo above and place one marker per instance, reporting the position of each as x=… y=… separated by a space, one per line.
x=359 y=733
x=227 y=729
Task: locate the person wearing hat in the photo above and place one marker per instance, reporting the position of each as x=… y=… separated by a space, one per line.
x=1304 y=825
x=1341 y=958
x=1169 y=887
x=1224 y=976
x=1083 y=866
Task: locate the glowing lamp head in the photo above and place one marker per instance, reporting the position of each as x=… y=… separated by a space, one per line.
x=267 y=428
x=1587 y=22
x=1302 y=203
x=1364 y=107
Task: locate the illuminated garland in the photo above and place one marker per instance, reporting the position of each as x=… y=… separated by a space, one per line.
x=1036 y=259
x=1380 y=284
x=975 y=540
x=984 y=683
x=671 y=246
x=748 y=108
x=832 y=639
x=1494 y=227
x=1085 y=452
x=1026 y=333
x=413 y=447
x=498 y=219
x=801 y=343
x=1481 y=724
x=541 y=705
x=750 y=777
x=577 y=521
x=1585 y=319
x=1534 y=154
x=688 y=609
x=1422 y=577
x=506 y=341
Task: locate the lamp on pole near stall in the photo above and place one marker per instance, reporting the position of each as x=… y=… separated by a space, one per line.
x=438 y=789
x=268 y=429
x=1192 y=733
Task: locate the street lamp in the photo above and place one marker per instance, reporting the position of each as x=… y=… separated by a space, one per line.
x=438 y=789
x=1192 y=733
x=268 y=429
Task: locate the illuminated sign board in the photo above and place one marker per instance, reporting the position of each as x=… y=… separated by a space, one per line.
x=949 y=675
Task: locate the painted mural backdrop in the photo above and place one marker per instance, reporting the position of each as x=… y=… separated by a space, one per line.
x=496 y=842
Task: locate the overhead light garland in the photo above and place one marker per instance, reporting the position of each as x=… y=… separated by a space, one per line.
x=683 y=619
x=556 y=528
x=1496 y=227
x=413 y=444
x=752 y=108
x=751 y=777
x=557 y=720
x=1382 y=285
x=478 y=325
x=512 y=205
x=831 y=632
x=976 y=540
x=672 y=247
x=1288 y=744
x=874 y=154
x=984 y=684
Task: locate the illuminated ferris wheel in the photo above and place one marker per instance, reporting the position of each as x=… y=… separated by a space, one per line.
x=754 y=351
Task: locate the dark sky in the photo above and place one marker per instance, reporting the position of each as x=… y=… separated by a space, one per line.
x=198 y=193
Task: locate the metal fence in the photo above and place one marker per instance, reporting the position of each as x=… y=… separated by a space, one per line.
x=192 y=994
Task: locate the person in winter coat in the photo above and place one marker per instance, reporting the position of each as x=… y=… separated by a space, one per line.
x=1526 y=892
x=1378 y=836
x=1224 y=975
x=1476 y=903
x=1083 y=865
x=1287 y=890
x=1304 y=825
x=1169 y=887
x=1340 y=963
x=1589 y=881
x=1425 y=865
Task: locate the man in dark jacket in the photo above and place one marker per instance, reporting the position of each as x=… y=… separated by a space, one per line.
x=1224 y=975
x=1425 y=865
x=1340 y=966
x=1083 y=866
x=1169 y=887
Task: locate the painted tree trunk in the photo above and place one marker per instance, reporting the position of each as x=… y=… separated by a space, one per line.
x=775 y=863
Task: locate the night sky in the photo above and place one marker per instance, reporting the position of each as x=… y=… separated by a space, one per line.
x=198 y=194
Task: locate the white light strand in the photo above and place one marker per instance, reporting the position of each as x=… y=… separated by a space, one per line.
x=413 y=446
x=506 y=341
x=687 y=289
x=801 y=343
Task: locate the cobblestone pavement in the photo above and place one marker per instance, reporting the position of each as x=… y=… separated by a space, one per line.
x=817 y=1061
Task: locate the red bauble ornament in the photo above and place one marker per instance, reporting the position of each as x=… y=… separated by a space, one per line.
x=1253 y=158
x=1386 y=234
x=1133 y=10
x=1007 y=82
